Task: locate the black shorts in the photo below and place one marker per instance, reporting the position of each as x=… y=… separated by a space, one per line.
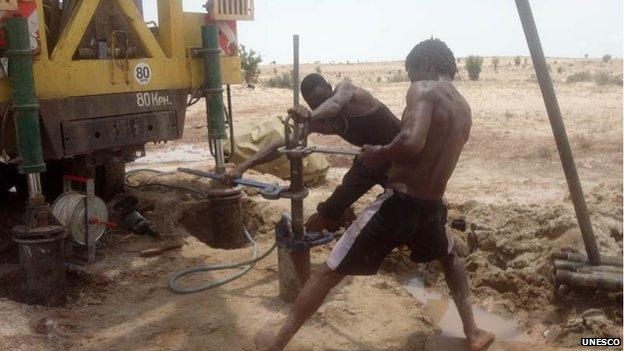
x=394 y=219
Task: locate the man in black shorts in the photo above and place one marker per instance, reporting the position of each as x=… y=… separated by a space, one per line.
x=435 y=126
x=351 y=113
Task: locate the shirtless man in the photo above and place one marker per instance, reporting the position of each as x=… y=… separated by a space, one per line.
x=435 y=126
x=351 y=113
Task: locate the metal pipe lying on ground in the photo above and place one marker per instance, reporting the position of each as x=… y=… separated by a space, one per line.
x=579 y=257
x=602 y=280
x=574 y=266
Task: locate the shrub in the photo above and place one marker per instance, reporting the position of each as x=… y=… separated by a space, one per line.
x=582 y=142
x=283 y=81
x=603 y=78
x=318 y=69
x=583 y=76
x=606 y=58
x=378 y=79
x=495 y=62
x=544 y=152
x=473 y=65
x=398 y=78
x=517 y=60
x=617 y=80
x=249 y=63
x=559 y=69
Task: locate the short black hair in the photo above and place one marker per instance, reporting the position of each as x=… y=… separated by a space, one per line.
x=438 y=54
x=310 y=82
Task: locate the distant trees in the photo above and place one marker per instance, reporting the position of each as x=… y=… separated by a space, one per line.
x=473 y=66
x=249 y=63
x=517 y=60
x=606 y=58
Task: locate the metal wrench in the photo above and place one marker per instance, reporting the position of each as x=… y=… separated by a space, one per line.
x=268 y=190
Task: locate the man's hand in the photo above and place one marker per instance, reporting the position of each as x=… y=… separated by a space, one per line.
x=300 y=114
x=318 y=223
x=372 y=156
x=228 y=177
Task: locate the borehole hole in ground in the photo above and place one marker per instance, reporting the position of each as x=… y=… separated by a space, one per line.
x=220 y=223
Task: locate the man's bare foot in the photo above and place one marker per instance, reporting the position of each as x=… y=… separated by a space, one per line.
x=479 y=339
x=263 y=340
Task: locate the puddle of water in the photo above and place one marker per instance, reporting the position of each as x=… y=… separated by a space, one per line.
x=441 y=309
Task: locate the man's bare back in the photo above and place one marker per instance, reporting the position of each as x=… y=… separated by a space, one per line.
x=435 y=126
x=440 y=105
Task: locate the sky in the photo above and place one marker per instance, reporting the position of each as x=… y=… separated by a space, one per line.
x=386 y=30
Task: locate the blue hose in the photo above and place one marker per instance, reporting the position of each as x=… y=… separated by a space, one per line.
x=245 y=267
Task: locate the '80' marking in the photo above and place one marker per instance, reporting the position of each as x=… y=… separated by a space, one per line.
x=153 y=99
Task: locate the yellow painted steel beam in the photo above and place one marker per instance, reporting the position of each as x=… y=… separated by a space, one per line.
x=171 y=27
x=145 y=37
x=43 y=37
x=92 y=77
x=74 y=31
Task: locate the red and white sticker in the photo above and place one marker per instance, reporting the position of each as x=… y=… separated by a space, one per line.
x=228 y=39
x=27 y=9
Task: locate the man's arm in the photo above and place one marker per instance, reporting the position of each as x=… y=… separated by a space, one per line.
x=412 y=138
x=266 y=154
x=331 y=107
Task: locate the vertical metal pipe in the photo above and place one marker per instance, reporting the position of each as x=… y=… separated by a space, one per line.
x=558 y=128
x=34 y=185
x=214 y=92
x=294 y=267
x=296 y=163
x=296 y=80
x=230 y=118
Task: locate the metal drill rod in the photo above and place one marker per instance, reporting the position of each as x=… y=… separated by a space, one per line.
x=558 y=128
x=333 y=151
x=294 y=267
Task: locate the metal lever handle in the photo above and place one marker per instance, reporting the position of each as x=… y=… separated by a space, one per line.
x=270 y=191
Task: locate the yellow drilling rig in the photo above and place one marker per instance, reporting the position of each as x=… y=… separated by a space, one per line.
x=107 y=82
x=84 y=85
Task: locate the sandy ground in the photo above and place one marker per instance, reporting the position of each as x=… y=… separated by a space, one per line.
x=508 y=185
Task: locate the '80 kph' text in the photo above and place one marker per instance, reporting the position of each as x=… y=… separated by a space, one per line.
x=153 y=99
